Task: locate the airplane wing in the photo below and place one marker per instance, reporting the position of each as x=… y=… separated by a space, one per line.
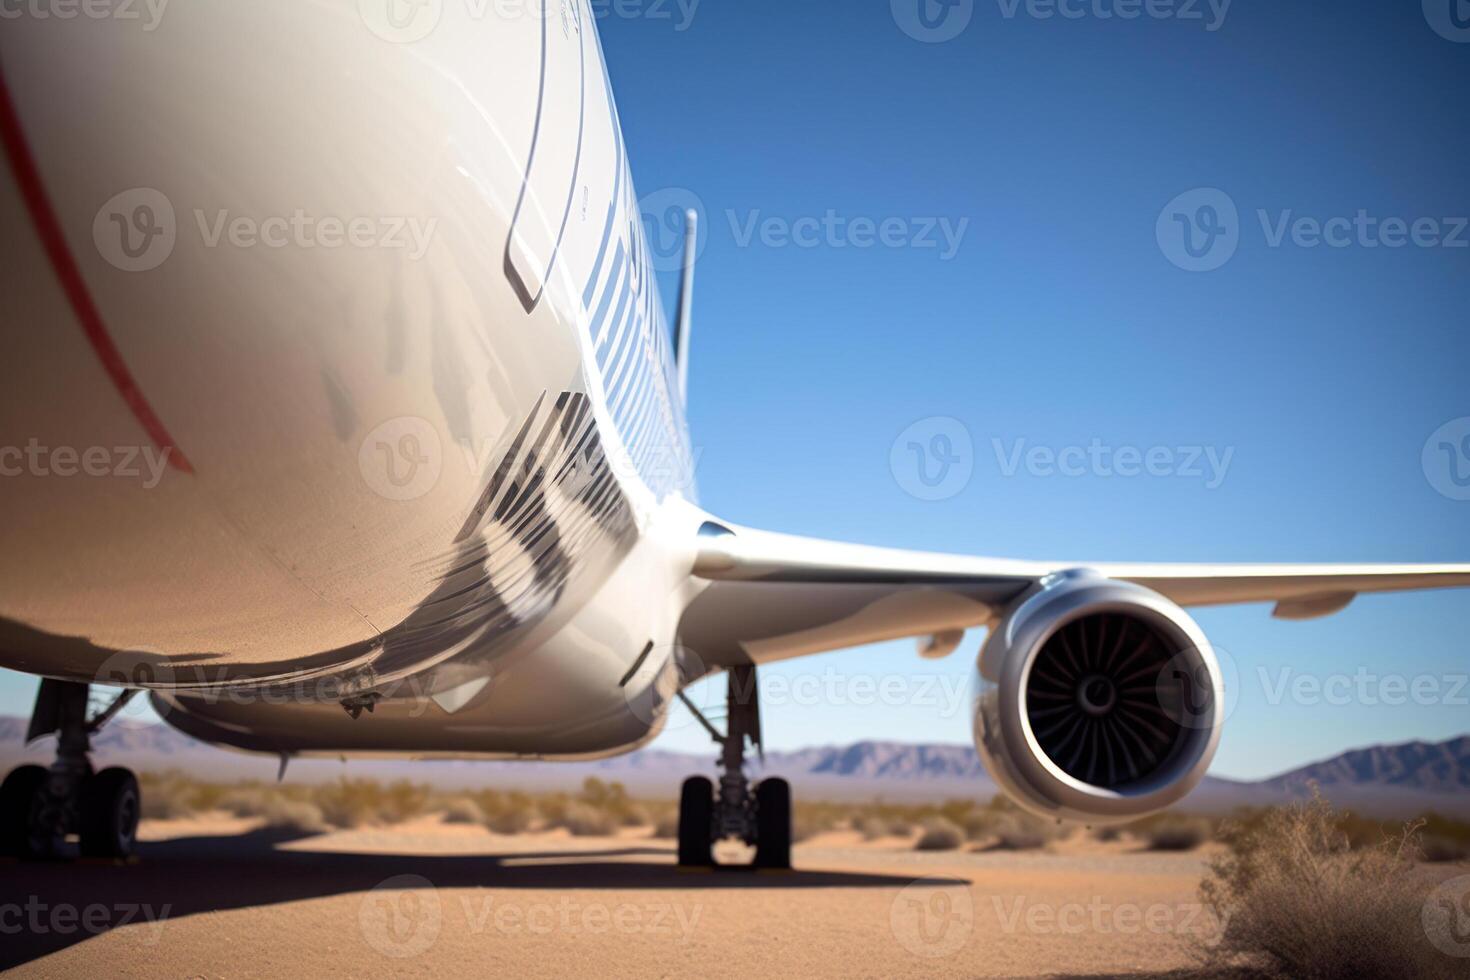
x=774 y=596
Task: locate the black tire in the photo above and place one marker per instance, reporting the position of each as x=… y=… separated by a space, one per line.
x=696 y=816
x=773 y=824
x=110 y=807
x=19 y=802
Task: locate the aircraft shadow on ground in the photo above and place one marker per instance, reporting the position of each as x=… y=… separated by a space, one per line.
x=196 y=875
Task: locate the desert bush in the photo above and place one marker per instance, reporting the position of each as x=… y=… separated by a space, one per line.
x=612 y=798
x=167 y=797
x=514 y=820
x=1107 y=834
x=1296 y=901
x=1179 y=834
x=403 y=800
x=350 y=802
x=806 y=824
x=979 y=825
x=1437 y=850
x=939 y=834
x=207 y=796
x=463 y=810
x=667 y=827
x=1445 y=839
x=805 y=827
x=246 y=802
x=871 y=828
x=508 y=813
x=584 y=820
x=1023 y=832
x=297 y=815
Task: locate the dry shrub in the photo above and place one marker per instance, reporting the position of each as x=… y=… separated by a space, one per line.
x=1177 y=833
x=612 y=798
x=245 y=802
x=1023 y=832
x=1437 y=850
x=583 y=820
x=807 y=824
x=516 y=820
x=667 y=827
x=463 y=810
x=871 y=828
x=296 y=815
x=979 y=824
x=939 y=834
x=403 y=800
x=168 y=797
x=1008 y=827
x=1107 y=834
x=350 y=802
x=1297 y=902
x=509 y=813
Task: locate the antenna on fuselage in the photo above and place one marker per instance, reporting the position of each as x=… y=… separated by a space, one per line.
x=686 y=302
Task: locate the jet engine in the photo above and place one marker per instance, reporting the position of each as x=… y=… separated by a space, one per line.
x=1099 y=701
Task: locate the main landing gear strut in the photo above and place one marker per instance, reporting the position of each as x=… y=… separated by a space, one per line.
x=40 y=807
x=761 y=818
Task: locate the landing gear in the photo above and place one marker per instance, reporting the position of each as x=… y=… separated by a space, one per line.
x=761 y=818
x=21 y=829
x=108 y=820
x=696 y=820
x=40 y=808
x=773 y=824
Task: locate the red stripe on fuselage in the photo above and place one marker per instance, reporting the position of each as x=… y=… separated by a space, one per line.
x=28 y=178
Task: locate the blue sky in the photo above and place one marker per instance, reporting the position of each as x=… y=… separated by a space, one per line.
x=1055 y=150
x=1061 y=320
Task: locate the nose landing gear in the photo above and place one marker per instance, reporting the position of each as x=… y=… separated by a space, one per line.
x=762 y=817
x=40 y=807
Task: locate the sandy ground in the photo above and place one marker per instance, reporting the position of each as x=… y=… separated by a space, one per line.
x=214 y=897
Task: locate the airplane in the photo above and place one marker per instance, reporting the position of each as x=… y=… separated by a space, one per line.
x=342 y=417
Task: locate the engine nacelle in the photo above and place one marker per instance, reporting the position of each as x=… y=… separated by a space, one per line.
x=1099 y=701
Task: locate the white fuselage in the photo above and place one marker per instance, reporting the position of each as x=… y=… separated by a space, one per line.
x=366 y=354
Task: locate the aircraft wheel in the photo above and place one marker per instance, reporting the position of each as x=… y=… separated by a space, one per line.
x=773 y=824
x=696 y=815
x=22 y=832
x=110 y=807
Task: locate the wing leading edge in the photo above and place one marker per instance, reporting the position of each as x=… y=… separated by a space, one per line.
x=786 y=595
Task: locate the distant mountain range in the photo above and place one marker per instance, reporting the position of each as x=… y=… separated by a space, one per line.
x=1384 y=780
x=1432 y=767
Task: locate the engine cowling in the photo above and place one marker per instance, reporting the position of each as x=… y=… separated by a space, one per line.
x=1098 y=701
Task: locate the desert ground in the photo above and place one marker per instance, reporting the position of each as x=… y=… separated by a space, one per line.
x=216 y=896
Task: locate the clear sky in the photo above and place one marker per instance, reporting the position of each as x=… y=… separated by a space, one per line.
x=989 y=229
x=1061 y=318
